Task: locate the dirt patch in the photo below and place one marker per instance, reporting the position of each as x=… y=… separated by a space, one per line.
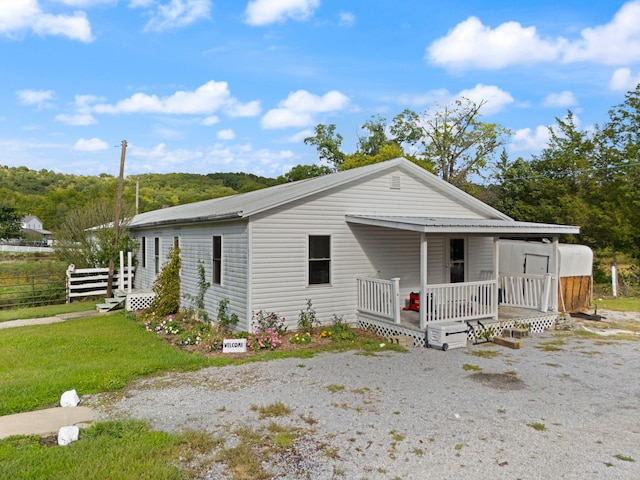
x=499 y=381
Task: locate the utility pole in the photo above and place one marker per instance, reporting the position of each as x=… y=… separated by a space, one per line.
x=116 y=219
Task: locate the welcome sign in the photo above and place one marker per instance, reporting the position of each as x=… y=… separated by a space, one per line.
x=234 y=345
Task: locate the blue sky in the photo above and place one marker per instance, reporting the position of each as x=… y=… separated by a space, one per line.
x=204 y=86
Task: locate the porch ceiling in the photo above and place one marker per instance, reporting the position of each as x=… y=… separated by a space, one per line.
x=467 y=226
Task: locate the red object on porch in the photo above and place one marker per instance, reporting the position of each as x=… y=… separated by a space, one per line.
x=414 y=302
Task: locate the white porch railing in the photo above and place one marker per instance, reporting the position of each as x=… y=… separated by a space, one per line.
x=526 y=291
x=460 y=301
x=379 y=297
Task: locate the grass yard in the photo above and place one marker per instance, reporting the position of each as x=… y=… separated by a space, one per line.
x=96 y=354
x=45 y=311
x=619 y=304
x=109 y=450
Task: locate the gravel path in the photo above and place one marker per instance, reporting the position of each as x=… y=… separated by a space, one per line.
x=421 y=414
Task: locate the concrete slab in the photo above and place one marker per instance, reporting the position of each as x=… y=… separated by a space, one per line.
x=44 y=422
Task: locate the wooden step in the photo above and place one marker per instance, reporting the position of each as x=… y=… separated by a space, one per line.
x=514 y=343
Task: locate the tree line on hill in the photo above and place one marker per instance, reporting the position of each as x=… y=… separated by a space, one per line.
x=586 y=177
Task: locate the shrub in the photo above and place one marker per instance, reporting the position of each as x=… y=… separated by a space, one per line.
x=269 y=321
x=167 y=288
x=307 y=318
x=226 y=322
x=198 y=300
x=267 y=339
x=339 y=330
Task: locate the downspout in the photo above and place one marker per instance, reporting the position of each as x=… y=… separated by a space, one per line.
x=556 y=268
x=248 y=310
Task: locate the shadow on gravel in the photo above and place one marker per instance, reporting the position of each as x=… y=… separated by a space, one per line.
x=499 y=381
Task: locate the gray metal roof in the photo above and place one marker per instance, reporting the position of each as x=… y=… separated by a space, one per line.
x=247 y=204
x=469 y=226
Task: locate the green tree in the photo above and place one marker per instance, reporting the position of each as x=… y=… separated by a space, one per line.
x=328 y=144
x=10 y=222
x=301 y=172
x=451 y=137
x=86 y=239
x=167 y=288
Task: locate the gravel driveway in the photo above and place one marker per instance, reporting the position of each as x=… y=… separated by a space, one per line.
x=564 y=406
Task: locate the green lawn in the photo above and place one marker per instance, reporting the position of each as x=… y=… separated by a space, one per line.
x=96 y=354
x=619 y=304
x=45 y=311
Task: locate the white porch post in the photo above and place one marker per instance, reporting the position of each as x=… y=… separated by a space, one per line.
x=555 y=284
x=423 y=281
x=496 y=276
x=121 y=272
x=395 y=290
x=130 y=271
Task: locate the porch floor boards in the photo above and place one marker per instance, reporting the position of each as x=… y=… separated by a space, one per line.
x=411 y=319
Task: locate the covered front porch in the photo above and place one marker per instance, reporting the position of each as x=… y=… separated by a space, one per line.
x=522 y=300
x=448 y=269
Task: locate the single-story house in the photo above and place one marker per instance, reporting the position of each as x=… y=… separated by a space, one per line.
x=364 y=244
x=32 y=228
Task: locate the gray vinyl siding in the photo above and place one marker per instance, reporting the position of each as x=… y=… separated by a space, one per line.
x=280 y=237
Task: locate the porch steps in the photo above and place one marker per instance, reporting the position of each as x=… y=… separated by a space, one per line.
x=114 y=303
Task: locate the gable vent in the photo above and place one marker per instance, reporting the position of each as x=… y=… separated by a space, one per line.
x=395 y=182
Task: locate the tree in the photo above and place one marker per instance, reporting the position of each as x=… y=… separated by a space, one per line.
x=452 y=137
x=301 y=172
x=328 y=144
x=10 y=222
x=86 y=239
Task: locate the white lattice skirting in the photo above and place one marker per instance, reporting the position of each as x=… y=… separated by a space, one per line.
x=138 y=301
x=387 y=329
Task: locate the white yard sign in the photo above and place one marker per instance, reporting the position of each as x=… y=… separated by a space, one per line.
x=234 y=345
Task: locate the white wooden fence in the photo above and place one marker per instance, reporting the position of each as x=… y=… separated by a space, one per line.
x=90 y=282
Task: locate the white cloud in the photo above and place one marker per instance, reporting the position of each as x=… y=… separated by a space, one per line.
x=210 y=120
x=250 y=109
x=470 y=44
x=298 y=109
x=473 y=45
x=78 y=119
x=35 y=97
x=263 y=12
x=622 y=80
x=496 y=99
x=226 y=134
x=178 y=13
x=206 y=99
x=300 y=136
x=85 y=3
x=217 y=158
x=614 y=43
x=90 y=145
x=562 y=99
x=347 y=19
x=526 y=140
x=18 y=16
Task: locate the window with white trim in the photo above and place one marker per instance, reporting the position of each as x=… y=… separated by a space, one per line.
x=319 y=259
x=217 y=260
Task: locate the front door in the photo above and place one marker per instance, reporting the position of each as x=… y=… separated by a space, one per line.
x=457 y=254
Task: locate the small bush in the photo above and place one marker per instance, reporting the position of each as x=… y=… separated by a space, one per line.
x=269 y=321
x=225 y=321
x=307 y=318
x=339 y=330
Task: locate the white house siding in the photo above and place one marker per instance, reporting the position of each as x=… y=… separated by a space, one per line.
x=480 y=251
x=196 y=244
x=279 y=244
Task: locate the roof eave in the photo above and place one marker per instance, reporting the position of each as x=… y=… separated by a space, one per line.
x=186 y=220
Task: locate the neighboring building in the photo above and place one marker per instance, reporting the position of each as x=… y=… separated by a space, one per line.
x=356 y=243
x=32 y=229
